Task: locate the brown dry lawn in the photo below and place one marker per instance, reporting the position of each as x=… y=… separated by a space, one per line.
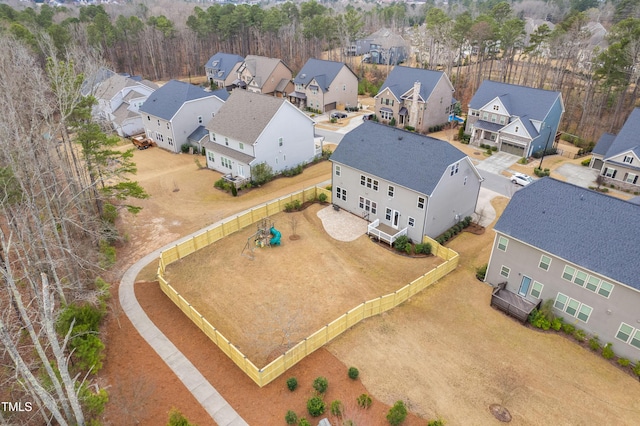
x=270 y=303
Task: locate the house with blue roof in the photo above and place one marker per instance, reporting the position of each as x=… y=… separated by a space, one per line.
x=516 y=119
x=222 y=69
x=403 y=182
x=577 y=247
x=325 y=85
x=618 y=157
x=173 y=112
x=415 y=97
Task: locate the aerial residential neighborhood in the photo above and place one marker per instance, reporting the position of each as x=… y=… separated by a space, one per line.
x=319 y=213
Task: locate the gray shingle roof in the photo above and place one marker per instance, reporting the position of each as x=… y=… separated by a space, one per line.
x=406 y=158
x=168 y=99
x=228 y=152
x=222 y=64
x=323 y=71
x=261 y=67
x=520 y=101
x=245 y=115
x=401 y=79
x=629 y=136
x=585 y=227
x=221 y=94
x=604 y=143
x=197 y=135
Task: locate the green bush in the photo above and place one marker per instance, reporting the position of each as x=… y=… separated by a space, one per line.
x=523 y=160
x=333 y=120
x=392 y=122
x=222 y=185
x=437 y=422
x=586 y=161
x=579 y=335
x=410 y=128
x=423 y=248
x=481 y=272
x=234 y=190
x=623 y=362
x=293 y=205
x=292 y=383
x=315 y=406
x=353 y=373
x=322 y=197
x=261 y=173
x=291 y=418
x=541 y=173
x=176 y=418
x=397 y=414
x=109 y=212
x=636 y=369
x=539 y=320
x=336 y=408
x=294 y=171
x=556 y=323
x=320 y=384
x=401 y=243
x=494 y=148
x=607 y=351
x=304 y=422
x=93 y=403
x=87 y=347
x=568 y=328
x=364 y=401
x=594 y=343
x=185 y=148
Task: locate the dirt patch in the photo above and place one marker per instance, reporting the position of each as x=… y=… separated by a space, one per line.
x=500 y=413
x=288 y=292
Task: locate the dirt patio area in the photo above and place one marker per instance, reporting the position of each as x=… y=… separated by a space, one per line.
x=445 y=352
x=267 y=305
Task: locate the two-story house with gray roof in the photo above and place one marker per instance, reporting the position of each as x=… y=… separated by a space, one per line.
x=119 y=98
x=618 y=157
x=325 y=85
x=222 y=69
x=518 y=120
x=577 y=247
x=174 y=111
x=415 y=97
x=403 y=182
x=269 y=76
x=251 y=129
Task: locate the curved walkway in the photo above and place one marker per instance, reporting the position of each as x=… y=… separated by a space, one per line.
x=196 y=383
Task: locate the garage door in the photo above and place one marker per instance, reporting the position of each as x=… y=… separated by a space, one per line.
x=597 y=164
x=512 y=149
x=330 y=107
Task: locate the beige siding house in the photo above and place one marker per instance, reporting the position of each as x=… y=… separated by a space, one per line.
x=269 y=76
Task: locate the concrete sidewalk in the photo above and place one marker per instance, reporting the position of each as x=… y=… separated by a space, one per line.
x=196 y=383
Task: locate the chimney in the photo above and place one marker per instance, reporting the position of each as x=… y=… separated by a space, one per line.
x=413 y=112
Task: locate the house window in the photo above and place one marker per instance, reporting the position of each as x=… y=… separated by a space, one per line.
x=494 y=118
x=504 y=271
x=568 y=273
x=584 y=312
x=344 y=87
x=561 y=301
x=390 y=191
x=609 y=172
x=387 y=214
x=199 y=119
x=411 y=222
x=160 y=137
x=341 y=194
x=338 y=171
x=635 y=340
x=210 y=156
x=369 y=182
x=276 y=160
x=517 y=128
x=580 y=278
x=170 y=141
x=168 y=125
x=158 y=123
x=226 y=162
x=502 y=243
x=545 y=262
x=503 y=120
x=496 y=108
x=280 y=142
x=485 y=116
x=368 y=205
x=454 y=169
x=624 y=332
x=628 y=159
x=148 y=118
x=631 y=178
x=241 y=145
x=593 y=283
x=421 y=203
x=465 y=180
x=492 y=137
x=386 y=115
x=605 y=289
x=572 y=307
x=536 y=289
x=213 y=137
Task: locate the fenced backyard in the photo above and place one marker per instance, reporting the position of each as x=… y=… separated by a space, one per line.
x=312 y=342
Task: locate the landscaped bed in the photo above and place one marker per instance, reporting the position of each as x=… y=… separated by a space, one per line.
x=267 y=304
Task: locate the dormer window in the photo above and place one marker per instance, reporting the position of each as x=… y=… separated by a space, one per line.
x=628 y=159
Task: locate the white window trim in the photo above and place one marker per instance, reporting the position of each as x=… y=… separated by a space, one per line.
x=533 y=286
x=506 y=243
x=338 y=170
x=502 y=270
x=573 y=274
x=540 y=263
x=630 y=333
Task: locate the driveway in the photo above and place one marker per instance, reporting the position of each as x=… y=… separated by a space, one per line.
x=498 y=162
x=578 y=175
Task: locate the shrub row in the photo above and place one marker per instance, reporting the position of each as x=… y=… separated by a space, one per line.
x=288 y=172
x=548 y=151
x=454 y=230
x=403 y=244
x=437 y=127
x=313 y=110
x=545 y=319
x=541 y=173
x=352 y=108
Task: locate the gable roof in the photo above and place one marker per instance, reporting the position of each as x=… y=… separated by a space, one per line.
x=245 y=115
x=323 y=71
x=570 y=222
x=261 y=67
x=520 y=101
x=108 y=88
x=401 y=79
x=167 y=100
x=387 y=38
x=628 y=138
x=604 y=143
x=406 y=158
x=223 y=64
x=90 y=83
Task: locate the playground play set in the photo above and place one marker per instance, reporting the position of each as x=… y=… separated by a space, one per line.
x=265 y=236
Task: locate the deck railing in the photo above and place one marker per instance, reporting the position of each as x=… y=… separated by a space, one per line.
x=372 y=229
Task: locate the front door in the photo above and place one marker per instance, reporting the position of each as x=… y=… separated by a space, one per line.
x=395 y=219
x=240 y=170
x=524 y=286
